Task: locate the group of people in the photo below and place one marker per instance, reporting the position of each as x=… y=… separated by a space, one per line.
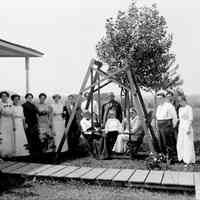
x=174 y=124
x=173 y=127
x=31 y=128
x=115 y=131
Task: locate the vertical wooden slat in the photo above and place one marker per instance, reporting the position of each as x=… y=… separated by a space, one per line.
x=186 y=178
x=124 y=175
x=38 y=170
x=26 y=168
x=170 y=178
x=51 y=170
x=154 y=177
x=139 y=176
x=93 y=174
x=109 y=174
x=79 y=172
x=14 y=167
x=67 y=170
x=6 y=164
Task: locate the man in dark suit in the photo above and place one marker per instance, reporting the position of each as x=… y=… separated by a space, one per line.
x=112 y=104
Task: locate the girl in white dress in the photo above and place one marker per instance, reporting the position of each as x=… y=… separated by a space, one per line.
x=20 y=136
x=185 y=141
x=58 y=122
x=7 y=142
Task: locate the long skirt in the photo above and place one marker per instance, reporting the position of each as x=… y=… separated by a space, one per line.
x=7 y=143
x=107 y=144
x=59 y=128
x=185 y=144
x=120 y=145
x=20 y=139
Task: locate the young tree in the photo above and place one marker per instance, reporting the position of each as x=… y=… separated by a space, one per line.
x=139 y=39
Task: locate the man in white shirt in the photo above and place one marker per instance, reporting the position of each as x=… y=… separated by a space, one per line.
x=166 y=121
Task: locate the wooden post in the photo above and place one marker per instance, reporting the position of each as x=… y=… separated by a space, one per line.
x=99 y=99
x=139 y=109
x=128 y=113
x=74 y=110
x=27 y=74
x=148 y=123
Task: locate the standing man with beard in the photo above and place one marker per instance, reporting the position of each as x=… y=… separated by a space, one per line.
x=111 y=104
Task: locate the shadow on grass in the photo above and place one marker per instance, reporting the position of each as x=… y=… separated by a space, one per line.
x=8 y=182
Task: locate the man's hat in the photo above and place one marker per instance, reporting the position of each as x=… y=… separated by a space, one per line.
x=170 y=93
x=162 y=93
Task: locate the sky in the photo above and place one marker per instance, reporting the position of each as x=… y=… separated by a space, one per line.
x=67 y=32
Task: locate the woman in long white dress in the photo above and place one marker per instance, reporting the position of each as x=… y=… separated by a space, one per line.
x=20 y=136
x=185 y=141
x=7 y=142
x=58 y=122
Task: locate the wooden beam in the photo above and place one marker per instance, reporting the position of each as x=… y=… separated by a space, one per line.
x=102 y=86
x=139 y=108
x=104 y=74
x=104 y=79
x=148 y=123
x=74 y=109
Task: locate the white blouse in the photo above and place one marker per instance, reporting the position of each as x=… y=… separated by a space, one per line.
x=85 y=124
x=113 y=125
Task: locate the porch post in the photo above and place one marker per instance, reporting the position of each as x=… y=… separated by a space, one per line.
x=27 y=73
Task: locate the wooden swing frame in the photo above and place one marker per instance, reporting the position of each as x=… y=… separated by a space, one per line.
x=97 y=76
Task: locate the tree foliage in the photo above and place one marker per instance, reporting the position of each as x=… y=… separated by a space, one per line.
x=139 y=38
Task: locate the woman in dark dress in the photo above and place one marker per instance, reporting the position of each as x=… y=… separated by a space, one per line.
x=31 y=120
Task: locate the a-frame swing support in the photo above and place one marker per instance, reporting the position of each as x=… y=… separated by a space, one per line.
x=110 y=77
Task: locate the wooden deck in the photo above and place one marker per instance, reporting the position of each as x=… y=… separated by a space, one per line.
x=166 y=180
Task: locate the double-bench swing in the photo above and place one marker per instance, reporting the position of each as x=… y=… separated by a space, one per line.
x=99 y=79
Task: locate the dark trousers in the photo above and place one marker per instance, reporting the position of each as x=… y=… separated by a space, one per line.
x=135 y=142
x=108 y=142
x=34 y=143
x=167 y=138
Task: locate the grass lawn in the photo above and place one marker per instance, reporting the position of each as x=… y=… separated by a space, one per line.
x=123 y=163
x=80 y=191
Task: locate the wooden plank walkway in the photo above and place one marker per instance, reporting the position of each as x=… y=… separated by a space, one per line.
x=180 y=181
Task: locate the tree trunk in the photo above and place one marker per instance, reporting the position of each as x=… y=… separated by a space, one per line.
x=155 y=107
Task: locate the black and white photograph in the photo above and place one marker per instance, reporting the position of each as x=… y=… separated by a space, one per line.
x=99 y=100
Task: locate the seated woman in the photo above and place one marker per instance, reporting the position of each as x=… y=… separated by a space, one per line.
x=135 y=137
x=113 y=127
x=122 y=139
